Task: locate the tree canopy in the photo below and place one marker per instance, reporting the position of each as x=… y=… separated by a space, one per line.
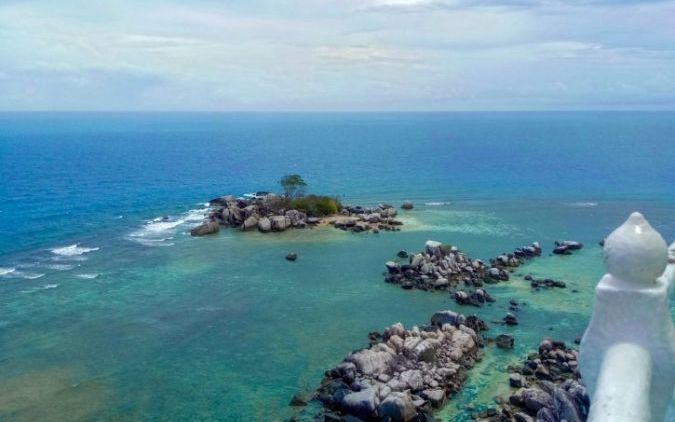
x=293 y=185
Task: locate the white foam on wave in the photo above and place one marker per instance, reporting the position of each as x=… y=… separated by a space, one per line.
x=582 y=204
x=37 y=289
x=436 y=204
x=6 y=271
x=28 y=276
x=87 y=276
x=61 y=267
x=72 y=250
x=158 y=231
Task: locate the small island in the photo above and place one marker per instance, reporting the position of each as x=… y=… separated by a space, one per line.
x=269 y=212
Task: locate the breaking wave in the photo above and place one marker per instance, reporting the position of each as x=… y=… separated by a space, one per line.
x=159 y=231
x=72 y=250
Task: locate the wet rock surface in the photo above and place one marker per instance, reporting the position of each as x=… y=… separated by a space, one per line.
x=544 y=283
x=546 y=388
x=566 y=247
x=404 y=375
x=443 y=267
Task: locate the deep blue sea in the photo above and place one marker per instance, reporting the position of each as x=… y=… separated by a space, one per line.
x=108 y=312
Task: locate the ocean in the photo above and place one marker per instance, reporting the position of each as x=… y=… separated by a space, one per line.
x=109 y=310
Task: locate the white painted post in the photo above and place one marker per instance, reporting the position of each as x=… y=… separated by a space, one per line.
x=627 y=355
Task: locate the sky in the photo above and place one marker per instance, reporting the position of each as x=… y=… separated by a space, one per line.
x=336 y=55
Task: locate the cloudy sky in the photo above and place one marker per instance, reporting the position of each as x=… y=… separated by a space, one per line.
x=336 y=55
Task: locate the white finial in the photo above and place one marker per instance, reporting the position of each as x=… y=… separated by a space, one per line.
x=635 y=252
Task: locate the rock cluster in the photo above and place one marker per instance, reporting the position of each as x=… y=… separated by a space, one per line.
x=546 y=283
x=442 y=267
x=511 y=260
x=548 y=389
x=268 y=214
x=565 y=247
x=476 y=298
x=404 y=376
x=360 y=219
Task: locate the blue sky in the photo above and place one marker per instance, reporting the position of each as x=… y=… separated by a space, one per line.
x=336 y=55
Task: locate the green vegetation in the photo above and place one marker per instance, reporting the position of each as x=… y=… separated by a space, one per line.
x=316 y=205
x=293 y=185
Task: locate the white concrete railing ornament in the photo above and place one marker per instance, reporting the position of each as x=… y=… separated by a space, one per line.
x=627 y=354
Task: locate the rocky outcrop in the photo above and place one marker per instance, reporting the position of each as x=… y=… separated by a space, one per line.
x=565 y=247
x=502 y=264
x=544 y=283
x=548 y=388
x=443 y=267
x=359 y=219
x=403 y=377
x=476 y=298
x=268 y=214
x=407 y=205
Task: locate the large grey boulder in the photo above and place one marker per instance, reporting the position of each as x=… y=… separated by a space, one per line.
x=205 y=229
x=235 y=216
x=412 y=378
x=372 y=361
x=565 y=406
x=447 y=317
x=280 y=223
x=398 y=407
x=534 y=398
x=250 y=210
x=264 y=225
x=388 y=212
x=250 y=223
x=297 y=218
x=361 y=403
x=436 y=396
x=416 y=260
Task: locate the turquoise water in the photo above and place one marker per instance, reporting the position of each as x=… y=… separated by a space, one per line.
x=142 y=322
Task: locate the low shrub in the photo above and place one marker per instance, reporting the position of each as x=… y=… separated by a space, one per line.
x=316 y=205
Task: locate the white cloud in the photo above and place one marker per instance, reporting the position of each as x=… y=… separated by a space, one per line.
x=347 y=54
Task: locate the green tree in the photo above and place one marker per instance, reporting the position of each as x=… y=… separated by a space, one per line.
x=293 y=185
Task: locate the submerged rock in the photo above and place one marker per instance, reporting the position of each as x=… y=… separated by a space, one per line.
x=566 y=247
x=407 y=205
x=292 y=256
x=505 y=341
x=205 y=229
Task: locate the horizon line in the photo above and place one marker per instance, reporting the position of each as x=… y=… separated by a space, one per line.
x=642 y=110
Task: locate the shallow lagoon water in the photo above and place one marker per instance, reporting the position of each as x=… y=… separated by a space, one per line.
x=223 y=328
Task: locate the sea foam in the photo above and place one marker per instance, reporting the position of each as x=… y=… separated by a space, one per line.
x=28 y=276
x=6 y=271
x=582 y=204
x=72 y=250
x=158 y=231
x=61 y=267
